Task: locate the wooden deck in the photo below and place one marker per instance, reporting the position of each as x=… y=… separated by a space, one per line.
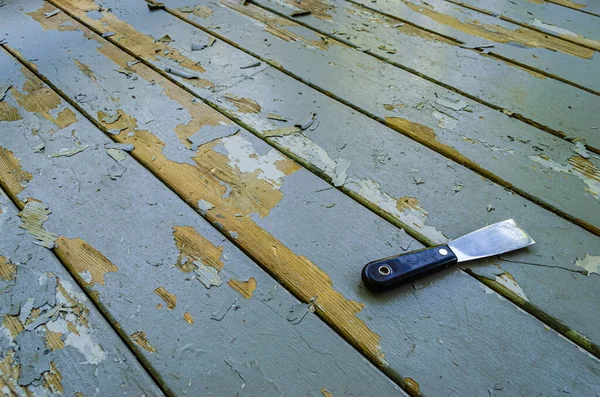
x=167 y=228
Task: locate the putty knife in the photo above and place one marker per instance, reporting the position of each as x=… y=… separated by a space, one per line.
x=388 y=273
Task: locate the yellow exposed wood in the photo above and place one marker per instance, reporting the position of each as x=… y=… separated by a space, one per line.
x=169 y=298
x=79 y=256
x=8 y=270
x=12 y=177
x=246 y=288
x=140 y=338
x=248 y=195
x=188 y=318
x=499 y=34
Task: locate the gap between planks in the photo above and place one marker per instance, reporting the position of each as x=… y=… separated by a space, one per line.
x=552 y=322
x=104 y=312
x=502 y=17
x=462 y=161
x=563 y=4
x=500 y=109
x=490 y=53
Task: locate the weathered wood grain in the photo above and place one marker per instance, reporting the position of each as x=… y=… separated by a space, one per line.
x=146 y=258
x=508 y=87
x=522 y=45
x=53 y=341
x=416 y=331
x=408 y=199
x=501 y=148
x=550 y=18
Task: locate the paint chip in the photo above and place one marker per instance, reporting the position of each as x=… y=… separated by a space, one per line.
x=209 y=133
x=282 y=131
x=299 y=13
x=51 y=13
x=108 y=34
x=341 y=169
x=166 y=39
x=116 y=154
x=154 y=5
x=307 y=122
x=33 y=216
x=197 y=46
x=590 y=263
x=275 y=116
x=207 y=275
x=111 y=118
x=128 y=147
x=182 y=73
x=69 y=152
x=204 y=206
x=580 y=149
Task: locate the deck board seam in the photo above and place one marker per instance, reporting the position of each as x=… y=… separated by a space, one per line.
x=470 y=164
x=386 y=370
x=524 y=25
x=98 y=306
x=490 y=53
x=537 y=313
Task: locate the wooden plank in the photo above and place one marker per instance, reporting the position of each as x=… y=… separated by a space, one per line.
x=522 y=45
x=552 y=19
x=409 y=200
x=126 y=237
x=587 y=6
x=504 y=86
x=485 y=140
x=53 y=340
x=408 y=332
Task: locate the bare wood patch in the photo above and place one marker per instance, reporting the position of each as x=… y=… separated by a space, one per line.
x=169 y=298
x=8 y=270
x=140 y=338
x=82 y=258
x=245 y=288
x=12 y=176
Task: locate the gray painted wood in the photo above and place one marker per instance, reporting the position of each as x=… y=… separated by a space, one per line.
x=451 y=334
x=586 y=6
x=553 y=19
x=472 y=72
x=384 y=183
x=38 y=294
x=501 y=146
x=234 y=345
x=578 y=69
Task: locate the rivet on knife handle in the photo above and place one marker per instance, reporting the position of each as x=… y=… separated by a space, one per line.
x=388 y=273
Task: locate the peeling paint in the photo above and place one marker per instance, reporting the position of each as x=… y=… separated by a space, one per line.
x=207 y=275
x=243 y=105
x=508 y=281
x=69 y=152
x=499 y=34
x=581 y=167
x=80 y=337
x=245 y=288
x=210 y=133
x=406 y=209
x=242 y=155
x=590 y=263
x=140 y=338
x=34 y=215
x=79 y=257
x=551 y=28
x=169 y=298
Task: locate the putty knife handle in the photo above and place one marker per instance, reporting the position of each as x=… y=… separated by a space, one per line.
x=388 y=273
